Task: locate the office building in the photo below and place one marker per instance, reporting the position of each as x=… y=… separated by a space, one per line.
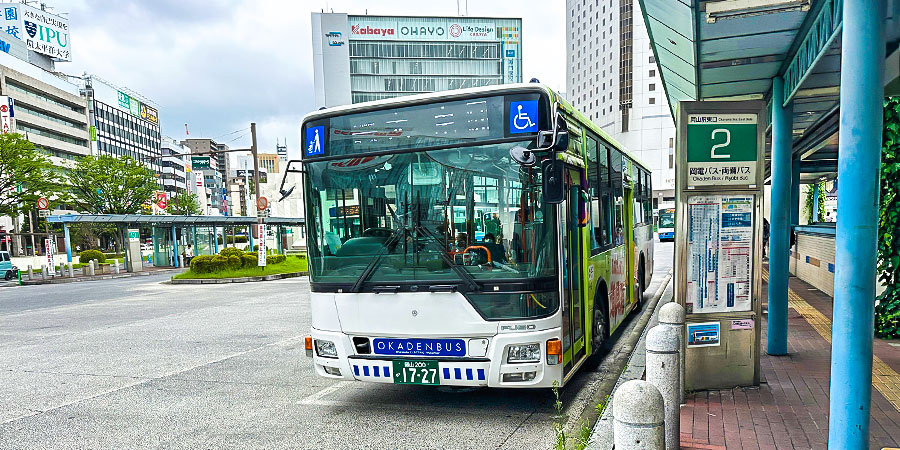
x=221 y=160
x=612 y=77
x=125 y=123
x=268 y=162
x=214 y=167
x=363 y=58
x=174 y=166
x=48 y=110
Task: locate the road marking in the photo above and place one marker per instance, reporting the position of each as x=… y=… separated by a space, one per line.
x=884 y=378
x=314 y=398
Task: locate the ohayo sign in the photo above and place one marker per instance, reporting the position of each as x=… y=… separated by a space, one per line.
x=418 y=30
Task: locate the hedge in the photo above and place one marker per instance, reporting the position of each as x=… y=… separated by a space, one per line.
x=231 y=251
x=231 y=261
x=229 y=239
x=88 y=255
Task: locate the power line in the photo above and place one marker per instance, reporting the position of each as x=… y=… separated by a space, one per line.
x=229 y=134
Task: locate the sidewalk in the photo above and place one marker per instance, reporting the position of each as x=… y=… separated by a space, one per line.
x=789 y=410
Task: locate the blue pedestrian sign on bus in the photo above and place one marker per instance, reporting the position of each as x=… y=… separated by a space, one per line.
x=523 y=116
x=315 y=140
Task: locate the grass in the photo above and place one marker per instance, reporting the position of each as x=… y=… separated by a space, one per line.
x=291 y=264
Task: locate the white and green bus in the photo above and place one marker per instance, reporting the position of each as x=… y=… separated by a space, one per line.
x=480 y=237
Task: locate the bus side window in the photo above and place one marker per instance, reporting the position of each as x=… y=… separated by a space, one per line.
x=618 y=196
x=605 y=197
x=593 y=180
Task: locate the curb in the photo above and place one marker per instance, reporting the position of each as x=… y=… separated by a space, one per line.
x=602 y=434
x=64 y=280
x=277 y=276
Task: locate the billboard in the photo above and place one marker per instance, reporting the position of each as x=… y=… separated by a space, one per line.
x=137 y=108
x=42 y=32
x=7 y=122
x=199 y=162
x=415 y=29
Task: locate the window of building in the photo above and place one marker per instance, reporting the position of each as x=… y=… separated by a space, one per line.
x=652 y=86
x=652 y=73
x=652 y=60
x=652 y=100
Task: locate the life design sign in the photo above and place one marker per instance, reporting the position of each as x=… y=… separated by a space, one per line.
x=722 y=149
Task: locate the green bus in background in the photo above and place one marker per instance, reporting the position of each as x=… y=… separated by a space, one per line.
x=481 y=237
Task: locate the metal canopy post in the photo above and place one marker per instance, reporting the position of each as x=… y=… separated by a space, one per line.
x=68 y=244
x=250 y=236
x=216 y=239
x=782 y=118
x=174 y=247
x=859 y=157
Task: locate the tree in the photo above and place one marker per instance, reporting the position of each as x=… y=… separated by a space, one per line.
x=108 y=185
x=25 y=175
x=184 y=204
x=887 y=311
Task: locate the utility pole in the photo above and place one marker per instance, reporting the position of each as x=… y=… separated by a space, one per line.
x=255 y=163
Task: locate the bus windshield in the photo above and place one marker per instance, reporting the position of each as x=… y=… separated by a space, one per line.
x=667 y=218
x=451 y=216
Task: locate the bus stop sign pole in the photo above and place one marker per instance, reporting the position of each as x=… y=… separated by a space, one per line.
x=718 y=239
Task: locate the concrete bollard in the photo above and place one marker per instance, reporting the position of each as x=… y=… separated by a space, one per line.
x=180 y=260
x=638 y=417
x=44 y=272
x=71 y=270
x=663 y=370
x=116 y=266
x=90 y=268
x=30 y=273
x=672 y=315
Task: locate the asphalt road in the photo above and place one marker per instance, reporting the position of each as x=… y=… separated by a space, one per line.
x=137 y=363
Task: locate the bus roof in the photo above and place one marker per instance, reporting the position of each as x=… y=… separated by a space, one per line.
x=431 y=97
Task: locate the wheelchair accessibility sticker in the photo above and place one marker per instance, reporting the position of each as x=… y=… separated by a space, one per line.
x=314 y=140
x=523 y=116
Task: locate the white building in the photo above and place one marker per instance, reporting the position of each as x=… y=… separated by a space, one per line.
x=174 y=166
x=612 y=77
x=362 y=58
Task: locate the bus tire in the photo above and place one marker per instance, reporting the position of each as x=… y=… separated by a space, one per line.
x=642 y=282
x=600 y=325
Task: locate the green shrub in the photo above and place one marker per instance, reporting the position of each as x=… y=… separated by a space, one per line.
x=229 y=239
x=201 y=264
x=88 y=255
x=218 y=263
x=275 y=259
x=234 y=262
x=249 y=260
x=230 y=251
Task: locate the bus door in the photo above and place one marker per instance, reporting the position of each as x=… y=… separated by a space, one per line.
x=572 y=271
x=630 y=247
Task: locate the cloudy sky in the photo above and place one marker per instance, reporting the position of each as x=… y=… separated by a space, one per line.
x=217 y=65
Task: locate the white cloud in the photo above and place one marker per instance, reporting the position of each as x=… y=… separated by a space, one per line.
x=220 y=64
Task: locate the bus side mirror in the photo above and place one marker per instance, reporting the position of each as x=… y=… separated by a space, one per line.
x=553 y=184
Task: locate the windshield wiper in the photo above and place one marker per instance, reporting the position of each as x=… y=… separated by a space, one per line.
x=375 y=262
x=466 y=276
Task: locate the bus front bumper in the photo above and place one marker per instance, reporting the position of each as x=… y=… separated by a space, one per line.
x=491 y=370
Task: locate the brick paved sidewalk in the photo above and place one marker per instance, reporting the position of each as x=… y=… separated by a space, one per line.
x=789 y=410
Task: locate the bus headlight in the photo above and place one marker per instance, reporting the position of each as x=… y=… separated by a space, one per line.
x=523 y=353
x=326 y=349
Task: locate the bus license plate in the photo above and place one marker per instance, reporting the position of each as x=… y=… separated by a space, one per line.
x=416 y=372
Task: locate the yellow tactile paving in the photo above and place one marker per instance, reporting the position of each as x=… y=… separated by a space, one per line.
x=884 y=379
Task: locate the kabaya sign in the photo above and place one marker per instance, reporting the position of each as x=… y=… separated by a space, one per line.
x=422 y=30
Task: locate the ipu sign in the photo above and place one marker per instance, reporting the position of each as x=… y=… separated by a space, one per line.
x=722 y=149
